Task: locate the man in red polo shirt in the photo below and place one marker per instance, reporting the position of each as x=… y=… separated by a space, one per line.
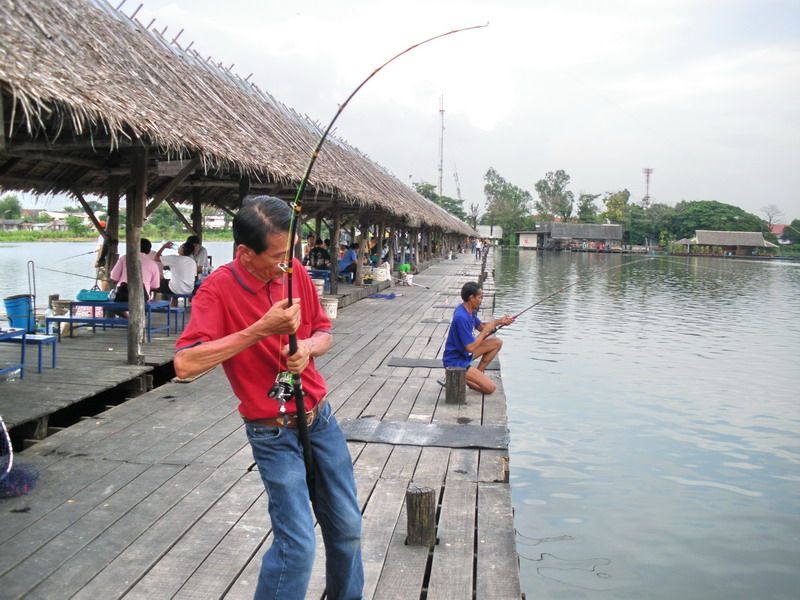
x=240 y=319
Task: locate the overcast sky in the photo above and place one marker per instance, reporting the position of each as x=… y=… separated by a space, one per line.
x=704 y=92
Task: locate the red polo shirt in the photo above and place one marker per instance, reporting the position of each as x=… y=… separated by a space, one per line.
x=230 y=300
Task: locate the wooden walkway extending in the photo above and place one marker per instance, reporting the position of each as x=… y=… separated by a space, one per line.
x=159 y=497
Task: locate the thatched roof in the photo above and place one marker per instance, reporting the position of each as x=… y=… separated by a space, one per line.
x=579 y=231
x=750 y=239
x=81 y=83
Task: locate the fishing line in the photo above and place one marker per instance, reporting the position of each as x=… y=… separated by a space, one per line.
x=574 y=283
x=77 y=255
x=68 y=273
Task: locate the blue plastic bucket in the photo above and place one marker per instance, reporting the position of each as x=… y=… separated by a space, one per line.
x=20 y=315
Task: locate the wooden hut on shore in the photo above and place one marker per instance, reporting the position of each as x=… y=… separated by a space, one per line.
x=94 y=102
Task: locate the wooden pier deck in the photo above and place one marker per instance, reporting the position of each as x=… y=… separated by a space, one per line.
x=159 y=497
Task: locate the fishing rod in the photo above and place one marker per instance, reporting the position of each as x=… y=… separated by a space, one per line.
x=574 y=283
x=76 y=256
x=68 y=273
x=282 y=381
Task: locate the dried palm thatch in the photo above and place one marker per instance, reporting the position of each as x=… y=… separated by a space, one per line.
x=81 y=82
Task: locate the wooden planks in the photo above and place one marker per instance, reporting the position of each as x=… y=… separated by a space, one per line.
x=158 y=497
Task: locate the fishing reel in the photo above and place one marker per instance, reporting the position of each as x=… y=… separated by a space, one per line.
x=283 y=389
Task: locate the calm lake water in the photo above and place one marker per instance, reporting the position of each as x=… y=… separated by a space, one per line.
x=655 y=424
x=654 y=414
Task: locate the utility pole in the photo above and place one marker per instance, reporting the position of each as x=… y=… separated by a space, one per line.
x=646 y=200
x=441 y=142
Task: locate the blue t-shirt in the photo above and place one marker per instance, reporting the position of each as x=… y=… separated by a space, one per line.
x=348 y=259
x=459 y=337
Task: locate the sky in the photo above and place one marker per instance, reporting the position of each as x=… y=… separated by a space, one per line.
x=704 y=92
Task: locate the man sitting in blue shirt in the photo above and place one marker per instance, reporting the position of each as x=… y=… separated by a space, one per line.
x=462 y=347
x=349 y=260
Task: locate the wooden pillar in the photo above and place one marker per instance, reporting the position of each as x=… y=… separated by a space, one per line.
x=456 y=385
x=381 y=241
x=421 y=511
x=197 y=212
x=136 y=200
x=112 y=226
x=363 y=245
x=334 y=249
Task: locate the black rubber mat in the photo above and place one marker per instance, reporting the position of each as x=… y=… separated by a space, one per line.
x=493 y=437
x=429 y=363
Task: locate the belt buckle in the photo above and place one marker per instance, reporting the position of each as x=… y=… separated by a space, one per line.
x=310 y=416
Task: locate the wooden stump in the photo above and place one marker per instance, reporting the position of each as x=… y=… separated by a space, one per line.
x=421 y=509
x=456 y=388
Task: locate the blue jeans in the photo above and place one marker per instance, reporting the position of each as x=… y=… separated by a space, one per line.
x=286 y=567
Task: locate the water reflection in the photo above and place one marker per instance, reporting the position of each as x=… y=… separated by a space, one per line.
x=654 y=421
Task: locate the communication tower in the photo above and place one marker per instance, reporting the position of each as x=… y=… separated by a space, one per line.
x=646 y=200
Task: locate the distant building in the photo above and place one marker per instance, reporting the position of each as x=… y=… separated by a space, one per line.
x=556 y=236
x=780 y=231
x=740 y=243
x=484 y=231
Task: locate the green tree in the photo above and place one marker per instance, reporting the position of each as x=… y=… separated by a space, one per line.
x=792 y=232
x=617 y=207
x=506 y=205
x=554 y=199
x=10 y=208
x=453 y=206
x=716 y=216
x=43 y=218
x=76 y=225
x=164 y=220
x=587 y=209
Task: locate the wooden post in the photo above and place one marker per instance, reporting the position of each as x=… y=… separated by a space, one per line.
x=197 y=213
x=334 y=249
x=137 y=198
x=456 y=385
x=112 y=227
x=421 y=511
x=363 y=249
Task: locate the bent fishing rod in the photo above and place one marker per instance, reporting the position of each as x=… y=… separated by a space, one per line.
x=283 y=379
x=574 y=283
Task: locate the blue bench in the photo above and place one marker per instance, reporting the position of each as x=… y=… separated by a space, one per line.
x=173 y=312
x=38 y=340
x=321 y=274
x=346 y=276
x=111 y=322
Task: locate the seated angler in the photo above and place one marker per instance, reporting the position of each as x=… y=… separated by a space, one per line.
x=462 y=347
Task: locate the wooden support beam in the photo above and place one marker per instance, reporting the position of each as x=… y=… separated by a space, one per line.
x=197 y=212
x=179 y=214
x=90 y=213
x=136 y=202
x=176 y=181
x=334 y=249
x=112 y=226
x=2 y=125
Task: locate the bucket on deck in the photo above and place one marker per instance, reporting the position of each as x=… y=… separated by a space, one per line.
x=20 y=313
x=330 y=306
x=320 y=285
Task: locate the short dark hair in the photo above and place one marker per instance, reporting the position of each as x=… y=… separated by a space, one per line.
x=259 y=218
x=318 y=242
x=354 y=246
x=471 y=288
x=187 y=249
x=310 y=235
x=193 y=239
x=145 y=246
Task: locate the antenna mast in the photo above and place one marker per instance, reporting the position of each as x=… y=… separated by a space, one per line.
x=646 y=200
x=441 y=142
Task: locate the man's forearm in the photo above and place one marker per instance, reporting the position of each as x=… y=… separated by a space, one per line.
x=202 y=357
